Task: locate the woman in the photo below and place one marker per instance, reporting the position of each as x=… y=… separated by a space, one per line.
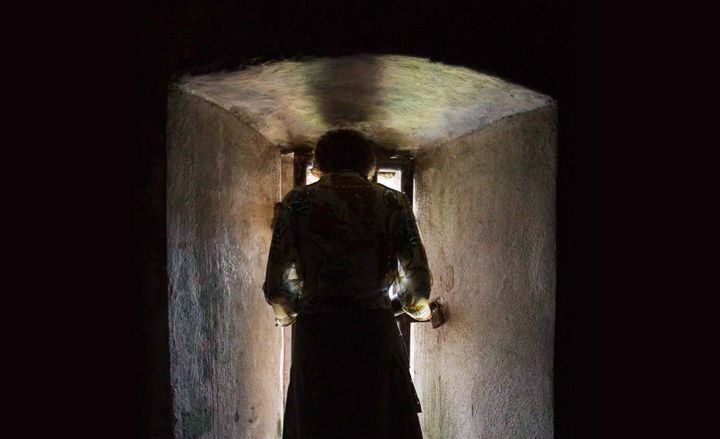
x=333 y=257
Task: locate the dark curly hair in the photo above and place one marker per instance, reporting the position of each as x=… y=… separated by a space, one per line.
x=345 y=149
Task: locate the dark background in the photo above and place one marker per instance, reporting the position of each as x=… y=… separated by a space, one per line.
x=544 y=45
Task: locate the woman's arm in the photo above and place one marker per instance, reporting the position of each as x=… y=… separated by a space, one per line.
x=415 y=279
x=282 y=292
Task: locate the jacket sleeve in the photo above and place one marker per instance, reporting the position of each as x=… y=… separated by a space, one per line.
x=415 y=279
x=281 y=290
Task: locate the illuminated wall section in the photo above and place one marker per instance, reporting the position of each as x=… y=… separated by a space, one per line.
x=486 y=204
x=223 y=179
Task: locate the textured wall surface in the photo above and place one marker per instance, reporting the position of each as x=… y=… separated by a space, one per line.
x=486 y=210
x=401 y=102
x=286 y=184
x=223 y=179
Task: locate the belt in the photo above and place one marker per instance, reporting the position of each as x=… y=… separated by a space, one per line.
x=338 y=303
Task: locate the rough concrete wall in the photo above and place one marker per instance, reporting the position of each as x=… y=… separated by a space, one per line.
x=486 y=205
x=223 y=179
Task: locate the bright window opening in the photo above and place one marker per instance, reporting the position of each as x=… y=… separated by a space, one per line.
x=391 y=178
x=310 y=178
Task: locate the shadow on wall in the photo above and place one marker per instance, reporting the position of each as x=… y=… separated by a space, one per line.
x=347 y=93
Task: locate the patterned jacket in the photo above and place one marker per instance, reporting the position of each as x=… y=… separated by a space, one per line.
x=336 y=245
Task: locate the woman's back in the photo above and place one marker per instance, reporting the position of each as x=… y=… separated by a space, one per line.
x=337 y=246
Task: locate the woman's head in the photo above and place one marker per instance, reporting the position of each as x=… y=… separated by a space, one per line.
x=345 y=149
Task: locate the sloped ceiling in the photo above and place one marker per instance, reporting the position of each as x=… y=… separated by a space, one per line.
x=402 y=103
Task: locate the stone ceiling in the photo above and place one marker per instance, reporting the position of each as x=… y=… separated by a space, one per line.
x=402 y=103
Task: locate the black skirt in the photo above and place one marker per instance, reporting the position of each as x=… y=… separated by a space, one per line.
x=350 y=379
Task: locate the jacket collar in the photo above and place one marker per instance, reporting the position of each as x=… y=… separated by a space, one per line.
x=344 y=172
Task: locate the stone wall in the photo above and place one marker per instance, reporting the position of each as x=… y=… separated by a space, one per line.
x=223 y=179
x=486 y=211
